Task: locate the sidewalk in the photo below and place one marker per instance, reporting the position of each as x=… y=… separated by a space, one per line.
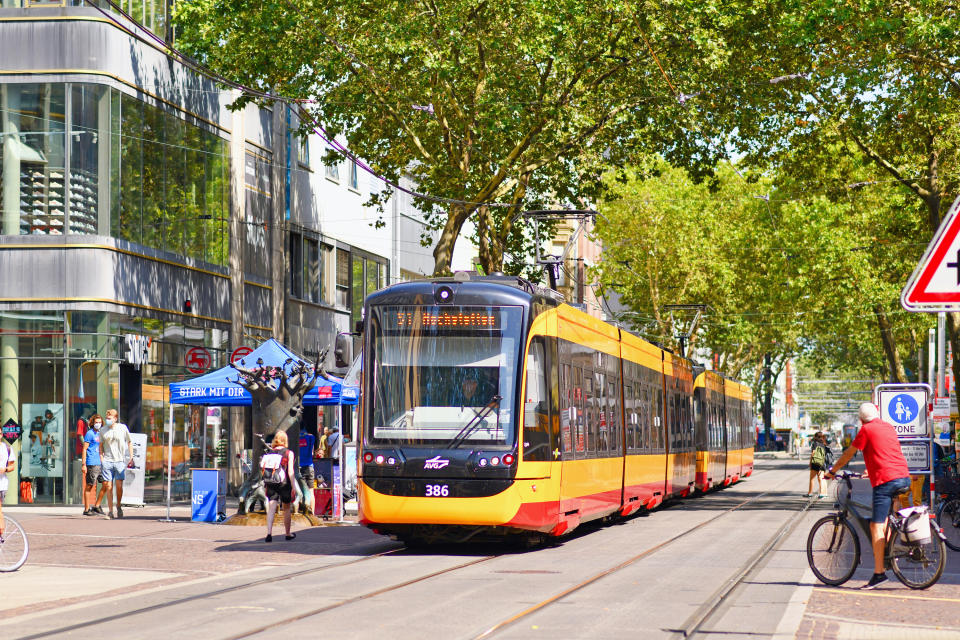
x=74 y=558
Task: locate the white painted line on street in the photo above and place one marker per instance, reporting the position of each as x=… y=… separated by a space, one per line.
x=30 y=534
x=793 y=614
x=868 y=625
x=879 y=594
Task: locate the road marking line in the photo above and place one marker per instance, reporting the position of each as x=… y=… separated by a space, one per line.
x=878 y=623
x=874 y=594
x=88 y=535
x=796 y=607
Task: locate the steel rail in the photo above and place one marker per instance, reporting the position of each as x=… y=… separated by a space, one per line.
x=626 y=563
x=200 y=596
x=703 y=613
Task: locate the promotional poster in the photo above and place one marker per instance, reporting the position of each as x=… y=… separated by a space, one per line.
x=133 y=476
x=41 y=455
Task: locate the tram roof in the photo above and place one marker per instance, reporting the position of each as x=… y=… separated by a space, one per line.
x=468 y=289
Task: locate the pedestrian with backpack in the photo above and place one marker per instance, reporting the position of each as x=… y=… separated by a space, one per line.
x=279 y=482
x=818 y=464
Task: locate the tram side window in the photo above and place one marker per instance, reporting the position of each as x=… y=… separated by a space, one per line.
x=603 y=416
x=629 y=411
x=578 y=430
x=566 y=405
x=536 y=409
x=590 y=412
x=613 y=405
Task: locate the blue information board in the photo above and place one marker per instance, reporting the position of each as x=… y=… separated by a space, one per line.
x=208 y=494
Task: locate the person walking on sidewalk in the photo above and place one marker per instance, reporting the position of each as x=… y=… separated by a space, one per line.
x=819 y=461
x=306 y=443
x=888 y=473
x=279 y=482
x=6 y=466
x=116 y=452
x=91 y=465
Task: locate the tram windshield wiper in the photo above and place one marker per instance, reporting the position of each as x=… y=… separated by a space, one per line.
x=474 y=423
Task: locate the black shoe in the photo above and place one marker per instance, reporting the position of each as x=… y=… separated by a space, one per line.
x=89 y=512
x=96 y=510
x=119 y=511
x=876 y=580
x=269 y=538
x=290 y=536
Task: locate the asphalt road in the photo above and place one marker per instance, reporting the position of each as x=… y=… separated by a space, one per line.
x=730 y=563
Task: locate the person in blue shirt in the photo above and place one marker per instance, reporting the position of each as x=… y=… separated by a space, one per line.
x=307 y=443
x=91 y=466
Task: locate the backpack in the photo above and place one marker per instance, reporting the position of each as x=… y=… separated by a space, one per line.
x=819 y=456
x=273 y=464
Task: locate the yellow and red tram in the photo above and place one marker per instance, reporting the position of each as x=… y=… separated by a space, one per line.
x=491 y=406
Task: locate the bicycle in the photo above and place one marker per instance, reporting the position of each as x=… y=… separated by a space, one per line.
x=948 y=513
x=14 y=546
x=833 y=547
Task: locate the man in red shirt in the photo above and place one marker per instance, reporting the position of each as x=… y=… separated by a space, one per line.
x=888 y=473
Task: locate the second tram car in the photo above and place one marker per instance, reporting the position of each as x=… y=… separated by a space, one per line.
x=489 y=406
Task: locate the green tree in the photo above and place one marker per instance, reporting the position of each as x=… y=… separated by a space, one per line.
x=513 y=102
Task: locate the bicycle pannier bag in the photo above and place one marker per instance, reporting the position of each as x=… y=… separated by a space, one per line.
x=916 y=524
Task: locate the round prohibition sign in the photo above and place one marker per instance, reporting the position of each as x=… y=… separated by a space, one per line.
x=239 y=354
x=198 y=360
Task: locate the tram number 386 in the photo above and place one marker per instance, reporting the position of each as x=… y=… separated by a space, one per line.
x=437 y=491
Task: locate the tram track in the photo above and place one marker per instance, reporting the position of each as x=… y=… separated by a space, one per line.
x=698 y=618
x=206 y=594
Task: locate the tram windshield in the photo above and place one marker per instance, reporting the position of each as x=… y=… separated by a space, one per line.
x=443 y=374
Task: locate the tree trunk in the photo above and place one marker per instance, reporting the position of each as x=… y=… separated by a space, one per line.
x=443 y=251
x=897 y=373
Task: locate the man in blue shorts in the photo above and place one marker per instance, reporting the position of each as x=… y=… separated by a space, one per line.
x=116 y=452
x=888 y=473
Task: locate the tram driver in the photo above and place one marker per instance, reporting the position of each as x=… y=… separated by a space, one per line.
x=475 y=389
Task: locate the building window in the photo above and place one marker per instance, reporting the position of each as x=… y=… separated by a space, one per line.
x=354 y=180
x=304 y=268
x=303 y=150
x=368 y=276
x=343 y=279
x=332 y=163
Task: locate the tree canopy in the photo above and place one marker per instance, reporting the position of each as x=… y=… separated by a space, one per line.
x=518 y=102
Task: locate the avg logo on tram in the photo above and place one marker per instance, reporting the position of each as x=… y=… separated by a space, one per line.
x=491 y=408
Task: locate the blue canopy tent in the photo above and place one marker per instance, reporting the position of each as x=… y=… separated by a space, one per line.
x=218 y=388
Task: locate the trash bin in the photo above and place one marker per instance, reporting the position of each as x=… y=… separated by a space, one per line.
x=209 y=495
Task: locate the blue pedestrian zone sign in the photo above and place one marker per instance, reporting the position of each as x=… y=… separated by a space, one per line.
x=906 y=410
x=903 y=409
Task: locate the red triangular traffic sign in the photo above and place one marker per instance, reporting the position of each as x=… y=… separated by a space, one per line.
x=935 y=283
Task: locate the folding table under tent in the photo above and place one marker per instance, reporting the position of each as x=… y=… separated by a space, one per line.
x=218 y=389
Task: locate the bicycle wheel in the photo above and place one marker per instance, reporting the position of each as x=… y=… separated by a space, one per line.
x=13 y=546
x=833 y=550
x=948 y=517
x=918 y=565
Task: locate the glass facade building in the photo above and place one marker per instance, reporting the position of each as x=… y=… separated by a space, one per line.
x=146 y=231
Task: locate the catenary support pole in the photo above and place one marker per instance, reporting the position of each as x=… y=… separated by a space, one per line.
x=941 y=355
x=340 y=459
x=169 y=464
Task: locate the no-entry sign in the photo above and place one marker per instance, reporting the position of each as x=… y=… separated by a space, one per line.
x=239 y=354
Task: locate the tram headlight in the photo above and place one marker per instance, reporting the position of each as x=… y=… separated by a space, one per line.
x=483 y=462
x=391 y=461
x=368 y=457
x=379 y=459
x=494 y=461
x=444 y=295
x=508 y=459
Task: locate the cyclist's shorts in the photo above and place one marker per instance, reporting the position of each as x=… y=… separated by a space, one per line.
x=883 y=497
